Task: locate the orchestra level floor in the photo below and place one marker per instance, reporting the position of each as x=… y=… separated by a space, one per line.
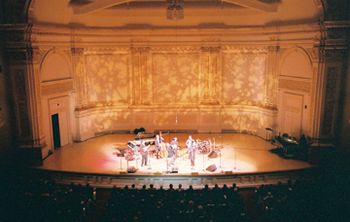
x=240 y=153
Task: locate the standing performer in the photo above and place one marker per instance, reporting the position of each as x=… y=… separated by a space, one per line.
x=191 y=149
x=175 y=145
x=171 y=156
x=144 y=153
x=159 y=145
x=172 y=151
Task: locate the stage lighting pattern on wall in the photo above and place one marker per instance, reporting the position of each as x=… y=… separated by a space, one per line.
x=205 y=89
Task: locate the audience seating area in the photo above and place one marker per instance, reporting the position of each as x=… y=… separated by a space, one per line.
x=147 y=204
x=33 y=197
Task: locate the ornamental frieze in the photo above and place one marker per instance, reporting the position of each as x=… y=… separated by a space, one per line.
x=211 y=49
x=106 y=50
x=175 y=49
x=77 y=51
x=253 y=50
x=140 y=49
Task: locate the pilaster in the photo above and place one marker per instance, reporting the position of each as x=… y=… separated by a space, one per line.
x=78 y=61
x=141 y=76
x=210 y=77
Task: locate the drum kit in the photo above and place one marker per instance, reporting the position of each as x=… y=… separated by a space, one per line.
x=204 y=146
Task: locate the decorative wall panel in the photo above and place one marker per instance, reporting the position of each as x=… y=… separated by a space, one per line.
x=142 y=78
x=175 y=78
x=248 y=120
x=244 y=78
x=295 y=85
x=80 y=80
x=107 y=79
x=58 y=87
x=175 y=89
x=210 y=80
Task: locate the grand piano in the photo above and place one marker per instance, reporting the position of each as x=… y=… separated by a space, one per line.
x=289 y=146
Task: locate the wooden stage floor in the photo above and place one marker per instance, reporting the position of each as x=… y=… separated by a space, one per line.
x=240 y=153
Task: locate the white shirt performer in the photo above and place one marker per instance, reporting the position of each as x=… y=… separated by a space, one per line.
x=159 y=145
x=144 y=153
x=191 y=149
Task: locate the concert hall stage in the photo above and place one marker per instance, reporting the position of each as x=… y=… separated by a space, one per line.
x=244 y=159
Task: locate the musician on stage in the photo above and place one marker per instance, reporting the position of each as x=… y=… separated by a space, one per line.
x=159 y=145
x=171 y=150
x=175 y=145
x=144 y=153
x=191 y=149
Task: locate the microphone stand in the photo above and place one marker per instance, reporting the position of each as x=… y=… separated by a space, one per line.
x=203 y=161
x=234 y=159
x=120 y=163
x=220 y=162
x=149 y=160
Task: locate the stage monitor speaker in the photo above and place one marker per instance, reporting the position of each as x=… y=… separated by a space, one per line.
x=213 y=154
x=211 y=168
x=174 y=170
x=132 y=169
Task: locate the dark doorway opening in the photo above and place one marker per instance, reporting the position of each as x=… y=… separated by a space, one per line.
x=56 y=131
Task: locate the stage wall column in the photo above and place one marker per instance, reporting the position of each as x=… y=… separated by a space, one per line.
x=210 y=77
x=272 y=77
x=344 y=142
x=80 y=81
x=272 y=85
x=80 y=78
x=24 y=66
x=334 y=52
x=142 y=88
x=333 y=79
x=210 y=88
x=142 y=78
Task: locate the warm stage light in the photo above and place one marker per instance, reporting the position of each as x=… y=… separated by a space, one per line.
x=229 y=162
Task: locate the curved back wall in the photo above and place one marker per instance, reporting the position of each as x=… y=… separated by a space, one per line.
x=208 y=80
x=190 y=88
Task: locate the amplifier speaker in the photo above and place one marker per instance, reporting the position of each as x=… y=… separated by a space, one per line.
x=213 y=154
x=132 y=169
x=211 y=168
x=174 y=170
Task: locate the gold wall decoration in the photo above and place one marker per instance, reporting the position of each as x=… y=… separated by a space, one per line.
x=210 y=78
x=244 y=77
x=141 y=74
x=107 y=78
x=175 y=78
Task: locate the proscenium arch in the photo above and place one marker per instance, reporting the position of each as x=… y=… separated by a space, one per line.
x=28 y=7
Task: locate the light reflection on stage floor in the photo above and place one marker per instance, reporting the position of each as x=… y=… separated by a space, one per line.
x=240 y=153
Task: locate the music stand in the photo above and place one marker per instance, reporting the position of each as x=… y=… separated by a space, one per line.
x=203 y=161
x=167 y=165
x=268 y=133
x=149 y=162
x=120 y=155
x=220 y=161
x=234 y=159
